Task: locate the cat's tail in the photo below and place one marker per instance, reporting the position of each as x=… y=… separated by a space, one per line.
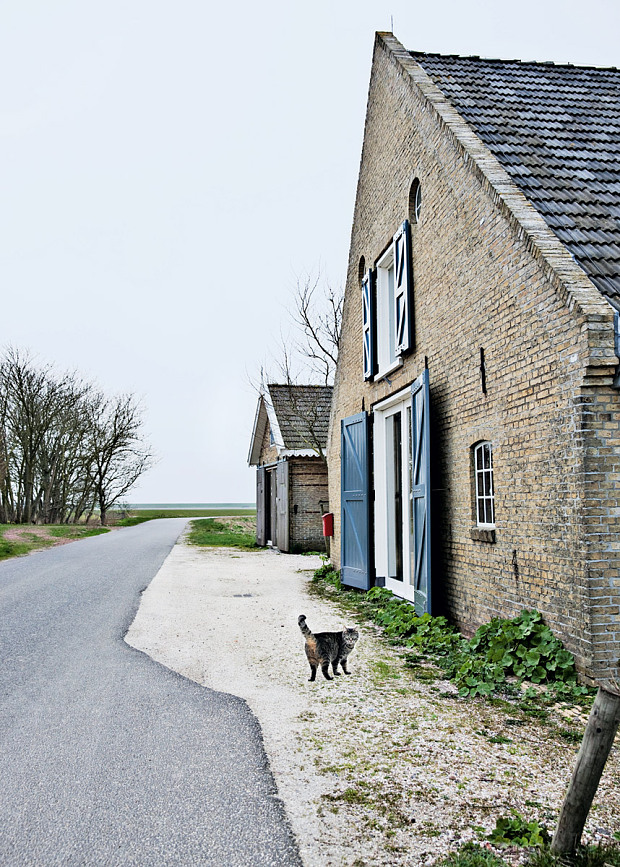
x=301 y=620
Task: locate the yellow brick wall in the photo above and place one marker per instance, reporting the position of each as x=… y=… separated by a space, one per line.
x=481 y=280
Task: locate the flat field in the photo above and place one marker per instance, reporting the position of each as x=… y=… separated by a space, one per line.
x=141 y=515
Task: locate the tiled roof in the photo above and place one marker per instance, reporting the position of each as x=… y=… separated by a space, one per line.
x=302 y=412
x=556 y=131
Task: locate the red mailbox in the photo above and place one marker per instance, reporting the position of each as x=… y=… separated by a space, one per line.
x=328 y=524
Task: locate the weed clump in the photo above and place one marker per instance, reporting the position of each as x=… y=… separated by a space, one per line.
x=502 y=654
x=515 y=830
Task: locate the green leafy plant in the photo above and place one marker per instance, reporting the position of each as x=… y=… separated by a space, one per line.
x=523 y=647
x=326 y=574
x=472 y=855
x=502 y=654
x=515 y=830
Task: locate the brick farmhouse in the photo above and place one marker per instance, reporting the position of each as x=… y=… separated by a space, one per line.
x=474 y=446
x=288 y=450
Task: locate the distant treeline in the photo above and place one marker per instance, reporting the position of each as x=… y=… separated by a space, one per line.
x=66 y=449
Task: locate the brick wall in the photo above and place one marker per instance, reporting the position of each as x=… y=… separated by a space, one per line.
x=488 y=273
x=308 y=490
x=268 y=452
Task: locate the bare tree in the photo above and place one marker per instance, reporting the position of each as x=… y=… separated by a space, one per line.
x=304 y=367
x=119 y=453
x=317 y=318
x=63 y=445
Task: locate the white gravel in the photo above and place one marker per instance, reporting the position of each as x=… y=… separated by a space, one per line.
x=378 y=768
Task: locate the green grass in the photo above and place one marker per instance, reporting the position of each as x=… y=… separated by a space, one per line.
x=152 y=514
x=586 y=856
x=472 y=855
x=213 y=534
x=31 y=541
x=12 y=549
x=75 y=531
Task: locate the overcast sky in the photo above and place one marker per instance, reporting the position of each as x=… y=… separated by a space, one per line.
x=171 y=168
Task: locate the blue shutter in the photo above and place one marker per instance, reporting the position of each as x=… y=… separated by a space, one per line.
x=403 y=290
x=420 y=495
x=355 y=503
x=368 y=324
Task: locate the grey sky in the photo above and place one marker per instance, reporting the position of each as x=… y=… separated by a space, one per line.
x=170 y=168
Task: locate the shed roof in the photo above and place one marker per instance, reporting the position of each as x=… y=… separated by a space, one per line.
x=556 y=130
x=298 y=416
x=302 y=412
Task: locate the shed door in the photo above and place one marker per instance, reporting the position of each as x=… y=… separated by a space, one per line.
x=420 y=495
x=261 y=506
x=355 y=502
x=282 y=526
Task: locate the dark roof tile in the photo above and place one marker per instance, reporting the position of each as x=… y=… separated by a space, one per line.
x=556 y=131
x=302 y=412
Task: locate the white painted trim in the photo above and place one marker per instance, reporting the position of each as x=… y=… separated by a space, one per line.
x=386 y=326
x=273 y=421
x=258 y=432
x=397 y=397
x=399 y=401
x=298 y=453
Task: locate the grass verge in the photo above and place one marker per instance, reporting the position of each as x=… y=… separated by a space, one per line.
x=74 y=531
x=231 y=533
x=33 y=538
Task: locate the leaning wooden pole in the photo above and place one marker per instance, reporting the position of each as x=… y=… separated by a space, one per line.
x=595 y=748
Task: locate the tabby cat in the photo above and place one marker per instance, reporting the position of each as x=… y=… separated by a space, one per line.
x=327 y=648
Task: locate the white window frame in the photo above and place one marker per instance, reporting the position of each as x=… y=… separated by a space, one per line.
x=399 y=402
x=387 y=359
x=484 y=486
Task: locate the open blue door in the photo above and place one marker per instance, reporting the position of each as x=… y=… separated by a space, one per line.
x=420 y=496
x=355 y=502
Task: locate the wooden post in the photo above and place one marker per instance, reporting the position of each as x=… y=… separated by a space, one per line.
x=595 y=748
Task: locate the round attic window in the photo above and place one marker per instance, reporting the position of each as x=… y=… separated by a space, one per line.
x=415 y=201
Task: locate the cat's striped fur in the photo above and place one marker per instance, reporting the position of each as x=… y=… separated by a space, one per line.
x=327 y=648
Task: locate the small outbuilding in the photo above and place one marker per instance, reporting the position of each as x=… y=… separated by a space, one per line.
x=288 y=450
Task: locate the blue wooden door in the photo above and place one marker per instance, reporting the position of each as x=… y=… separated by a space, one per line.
x=355 y=503
x=420 y=495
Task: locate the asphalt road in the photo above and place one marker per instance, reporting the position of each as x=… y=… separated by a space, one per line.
x=106 y=757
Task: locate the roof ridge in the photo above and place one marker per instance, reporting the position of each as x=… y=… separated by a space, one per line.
x=297 y=385
x=537 y=63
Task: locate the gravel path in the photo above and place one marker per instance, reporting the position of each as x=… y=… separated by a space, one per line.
x=385 y=767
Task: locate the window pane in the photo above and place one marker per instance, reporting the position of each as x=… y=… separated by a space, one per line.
x=483 y=468
x=487 y=456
